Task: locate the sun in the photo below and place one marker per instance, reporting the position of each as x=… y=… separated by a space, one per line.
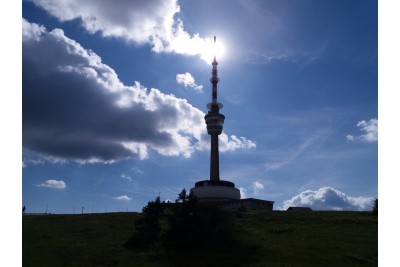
x=211 y=49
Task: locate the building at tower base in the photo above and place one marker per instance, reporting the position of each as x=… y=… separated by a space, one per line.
x=211 y=191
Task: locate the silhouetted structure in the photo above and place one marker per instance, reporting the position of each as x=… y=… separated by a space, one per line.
x=215 y=191
x=243 y=204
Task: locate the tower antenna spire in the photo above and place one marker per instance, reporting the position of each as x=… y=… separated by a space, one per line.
x=214 y=104
x=215 y=45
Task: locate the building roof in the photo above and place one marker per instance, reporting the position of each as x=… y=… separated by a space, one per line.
x=299 y=209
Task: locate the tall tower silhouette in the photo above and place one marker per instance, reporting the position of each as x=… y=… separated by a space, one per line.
x=215 y=189
x=215 y=122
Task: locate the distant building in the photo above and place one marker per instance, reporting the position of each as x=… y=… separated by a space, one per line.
x=246 y=204
x=299 y=209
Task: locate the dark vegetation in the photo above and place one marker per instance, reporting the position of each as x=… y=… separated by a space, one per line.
x=375 y=209
x=186 y=234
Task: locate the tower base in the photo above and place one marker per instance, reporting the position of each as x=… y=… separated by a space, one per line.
x=210 y=191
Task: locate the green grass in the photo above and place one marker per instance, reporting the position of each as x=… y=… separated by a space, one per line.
x=248 y=239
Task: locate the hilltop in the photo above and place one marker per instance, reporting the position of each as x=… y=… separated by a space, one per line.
x=277 y=238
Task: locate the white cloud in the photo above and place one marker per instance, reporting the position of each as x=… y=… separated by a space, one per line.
x=286 y=158
x=187 y=80
x=54 y=184
x=370 y=128
x=242 y=192
x=256 y=187
x=103 y=120
x=234 y=142
x=137 y=170
x=328 y=198
x=141 y=21
x=122 y=198
x=31 y=31
x=350 y=137
x=126 y=177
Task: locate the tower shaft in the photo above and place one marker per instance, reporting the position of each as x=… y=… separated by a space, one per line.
x=214 y=159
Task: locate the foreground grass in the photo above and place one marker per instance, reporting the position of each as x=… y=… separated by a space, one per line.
x=250 y=239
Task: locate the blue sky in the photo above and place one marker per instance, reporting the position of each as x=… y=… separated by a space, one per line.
x=113 y=99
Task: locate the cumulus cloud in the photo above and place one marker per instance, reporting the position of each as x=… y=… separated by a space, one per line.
x=76 y=108
x=141 y=21
x=55 y=184
x=370 y=129
x=187 y=80
x=234 y=142
x=243 y=192
x=122 y=198
x=328 y=198
x=257 y=187
x=226 y=143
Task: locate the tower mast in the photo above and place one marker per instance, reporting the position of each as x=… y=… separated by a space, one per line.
x=214 y=121
x=221 y=193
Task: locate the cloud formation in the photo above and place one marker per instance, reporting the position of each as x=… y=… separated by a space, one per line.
x=328 y=198
x=126 y=177
x=243 y=192
x=187 y=80
x=122 y=198
x=140 y=21
x=76 y=108
x=55 y=184
x=137 y=170
x=284 y=158
x=257 y=187
x=370 y=128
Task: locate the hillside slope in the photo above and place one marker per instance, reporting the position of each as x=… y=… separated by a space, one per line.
x=254 y=239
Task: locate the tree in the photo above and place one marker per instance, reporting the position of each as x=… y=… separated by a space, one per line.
x=148 y=227
x=182 y=197
x=151 y=214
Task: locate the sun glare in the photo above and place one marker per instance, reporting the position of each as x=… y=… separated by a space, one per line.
x=211 y=49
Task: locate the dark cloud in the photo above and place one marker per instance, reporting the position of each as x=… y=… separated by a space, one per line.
x=75 y=107
x=70 y=104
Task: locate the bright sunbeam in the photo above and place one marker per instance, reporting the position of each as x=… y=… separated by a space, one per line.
x=204 y=47
x=211 y=49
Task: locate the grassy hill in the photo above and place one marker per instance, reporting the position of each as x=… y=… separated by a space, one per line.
x=277 y=238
